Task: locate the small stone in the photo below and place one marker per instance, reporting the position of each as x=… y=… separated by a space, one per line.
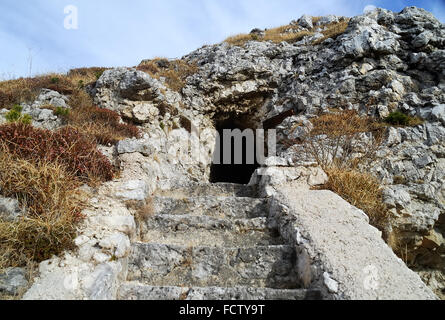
x=422 y=39
x=433 y=240
x=438 y=113
x=258 y=32
x=276 y=162
x=423 y=161
x=101 y=257
x=81 y=240
x=144 y=113
x=142 y=146
x=382 y=111
x=133 y=190
x=13 y=281
x=118 y=242
x=330 y=283
x=10 y=209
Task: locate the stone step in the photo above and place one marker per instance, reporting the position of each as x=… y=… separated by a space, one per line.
x=167 y=265
x=138 y=291
x=195 y=189
x=207 y=231
x=213 y=206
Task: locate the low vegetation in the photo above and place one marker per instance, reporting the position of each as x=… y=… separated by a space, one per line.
x=48 y=193
x=398 y=118
x=102 y=125
x=175 y=72
x=333 y=30
x=360 y=189
x=333 y=144
x=290 y=33
x=15 y=115
x=67 y=147
x=44 y=169
x=21 y=90
x=275 y=35
x=332 y=139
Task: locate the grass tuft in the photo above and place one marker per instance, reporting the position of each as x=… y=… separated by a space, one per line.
x=15 y=115
x=175 y=72
x=362 y=191
x=287 y=33
x=22 y=90
x=333 y=30
x=102 y=125
x=398 y=118
x=53 y=206
x=275 y=35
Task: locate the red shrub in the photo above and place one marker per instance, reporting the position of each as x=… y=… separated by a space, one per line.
x=66 y=146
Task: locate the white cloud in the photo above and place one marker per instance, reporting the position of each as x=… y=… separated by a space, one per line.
x=369 y=8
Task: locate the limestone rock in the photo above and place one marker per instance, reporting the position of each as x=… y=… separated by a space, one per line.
x=13 y=281
x=10 y=209
x=306 y=22
x=50 y=97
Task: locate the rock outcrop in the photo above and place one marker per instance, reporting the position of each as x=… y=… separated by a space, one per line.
x=381 y=63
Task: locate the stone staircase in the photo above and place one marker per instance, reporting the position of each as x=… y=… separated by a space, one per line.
x=211 y=247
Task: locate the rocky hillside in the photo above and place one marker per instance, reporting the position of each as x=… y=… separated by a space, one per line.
x=363 y=98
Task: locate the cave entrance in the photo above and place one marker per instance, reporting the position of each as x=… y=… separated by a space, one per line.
x=226 y=165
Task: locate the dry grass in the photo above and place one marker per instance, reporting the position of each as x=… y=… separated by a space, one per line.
x=43 y=169
x=27 y=89
x=333 y=140
x=332 y=143
x=85 y=75
x=333 y=30
x=102 y=125
x=66 y=146
x=344 y=123
x=53 y=208
x=275 y=35
x=361 y=190
x=175 y=72
x=143 y=209
x=287 y=33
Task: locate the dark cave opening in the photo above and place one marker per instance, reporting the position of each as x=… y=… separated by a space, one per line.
x=234 y=173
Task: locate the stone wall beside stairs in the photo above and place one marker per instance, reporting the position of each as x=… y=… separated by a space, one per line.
x=339 y=252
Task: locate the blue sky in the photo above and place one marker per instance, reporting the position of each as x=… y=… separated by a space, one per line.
x=122 y=33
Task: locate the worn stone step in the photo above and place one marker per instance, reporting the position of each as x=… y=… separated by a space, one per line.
x=168 y=265
x=207 y=231
x=195 y=189
x=214 y=206
x=138 y=291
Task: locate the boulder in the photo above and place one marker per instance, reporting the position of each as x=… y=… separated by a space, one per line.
x=305 y=21
x=50 y=97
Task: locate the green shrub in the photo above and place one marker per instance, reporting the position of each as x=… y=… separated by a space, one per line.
x=98 y=74
x=25 y=119
x=398 y=118
x=63 y=112
x=55 y=80
x=15 y=115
